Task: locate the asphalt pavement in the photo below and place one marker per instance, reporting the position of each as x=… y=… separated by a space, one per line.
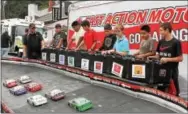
x=104 y=100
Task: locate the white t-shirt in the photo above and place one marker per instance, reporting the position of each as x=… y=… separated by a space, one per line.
x=78 y=34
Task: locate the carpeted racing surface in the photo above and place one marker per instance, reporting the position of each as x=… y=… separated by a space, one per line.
x=104 y=100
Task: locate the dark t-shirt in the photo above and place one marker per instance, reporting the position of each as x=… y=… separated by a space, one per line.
x=170 y=49
x=33 y=43
x=5 y=40
x=57 y=37
x=108 y=42
x=24 y=37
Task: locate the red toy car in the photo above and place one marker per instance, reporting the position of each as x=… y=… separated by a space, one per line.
x=55 y=94
x=33 y=87
x=10 y=83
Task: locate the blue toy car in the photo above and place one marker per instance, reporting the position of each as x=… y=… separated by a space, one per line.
x=18 y=90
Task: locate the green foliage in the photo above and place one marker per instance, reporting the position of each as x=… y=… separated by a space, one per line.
x=19 y=8
x=43 y=5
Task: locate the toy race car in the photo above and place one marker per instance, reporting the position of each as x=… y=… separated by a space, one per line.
x=55 y=94
x=18 y=90
x=37 y=100
x=80 y=104
x=33 y=87
x=25 y=79
x=10 y=83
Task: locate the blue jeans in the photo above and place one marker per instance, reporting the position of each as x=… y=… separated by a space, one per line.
x=4 y=52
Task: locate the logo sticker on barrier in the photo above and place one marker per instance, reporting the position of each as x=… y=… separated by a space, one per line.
x=117 y=69
x=85 y=64
x=52 y=57
x=71 y=61
x=138 y=71
x=62 y=59
x=162 y=72
x=43 y=56
x=98 y=67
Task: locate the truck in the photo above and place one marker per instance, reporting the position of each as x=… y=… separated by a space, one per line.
x=133 y=14
x=16 y=30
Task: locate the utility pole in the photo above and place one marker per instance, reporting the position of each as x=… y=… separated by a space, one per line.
x=3 y=9
x=60 y=9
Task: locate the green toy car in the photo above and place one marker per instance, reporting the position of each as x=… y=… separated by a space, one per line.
x=80 y=104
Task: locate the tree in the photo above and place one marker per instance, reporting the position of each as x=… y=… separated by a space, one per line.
x=19 y=9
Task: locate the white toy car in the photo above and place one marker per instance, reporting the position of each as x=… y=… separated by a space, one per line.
x=55 y=94
x=25 y=79
x=37 y=100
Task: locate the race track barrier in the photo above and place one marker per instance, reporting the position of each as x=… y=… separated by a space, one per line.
x=5 y=108
x=150 y=72
x=171 y=102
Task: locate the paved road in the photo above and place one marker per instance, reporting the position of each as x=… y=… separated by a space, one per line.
x=104 y=100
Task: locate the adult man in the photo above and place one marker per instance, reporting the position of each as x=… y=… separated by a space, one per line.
x=5 y=44
x=147 y=47
x=60 y=38
x=33 y=43
x=169 y=52
x=121 y=46
x=78 y=35
x=109 y=39
x=90 y=37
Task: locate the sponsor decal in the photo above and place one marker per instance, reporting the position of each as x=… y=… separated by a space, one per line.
x=98 y=67
x=85 y=73
x=125 y=85
x=116 y=82
x=62 y=59
x=70 y=61
x=47 y=64
x=117 y=69
x=40 y=62
x=107 y=80
x=79 y=72
x=138 y=71
x=33 y=60
x=165 y=96
x=52 y=65
x=73 y=70
x=85 y=64
x=44 y=56
x=60 y=67
x=173 y=98
x=90 y=75
x=149 y=90
x=16 y=59
x=162 y=72
x=97 y=78
x=183 y=102
x=52 y=57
